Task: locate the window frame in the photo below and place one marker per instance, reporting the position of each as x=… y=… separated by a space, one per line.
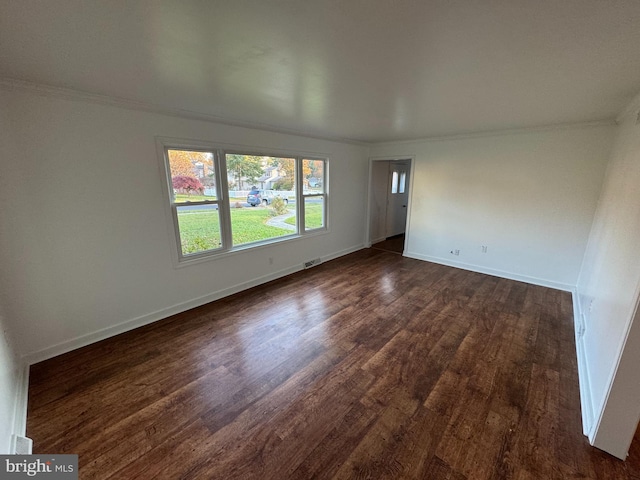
x=219 y=152
x=173 y=205
x=229 y=227
x=301 y=206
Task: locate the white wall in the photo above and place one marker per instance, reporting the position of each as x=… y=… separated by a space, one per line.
x=608 y=292
x=10 y=366
x=529 y=197
x=89 y=242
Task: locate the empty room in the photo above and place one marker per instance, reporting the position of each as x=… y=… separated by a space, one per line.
x=331 y=239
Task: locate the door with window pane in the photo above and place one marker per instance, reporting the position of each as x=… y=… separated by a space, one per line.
x=397 y=198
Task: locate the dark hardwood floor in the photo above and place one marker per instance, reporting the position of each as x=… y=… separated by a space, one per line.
x=370 y=366
x=393 y=244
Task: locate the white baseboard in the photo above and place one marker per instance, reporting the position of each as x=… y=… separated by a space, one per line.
x=342 y=253
x=490 y=271
x=586 y=402
x=586 y=399
x=19 y=427
x=87 y=339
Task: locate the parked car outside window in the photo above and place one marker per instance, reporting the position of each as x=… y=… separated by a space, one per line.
x=264 y=197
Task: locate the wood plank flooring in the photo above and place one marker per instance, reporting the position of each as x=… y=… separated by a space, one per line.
x=367 y=367
x=392 y=244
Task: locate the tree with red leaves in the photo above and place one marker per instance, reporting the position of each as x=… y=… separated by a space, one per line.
x=188 y=185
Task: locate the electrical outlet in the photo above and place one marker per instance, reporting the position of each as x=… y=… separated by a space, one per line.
x=455 y=252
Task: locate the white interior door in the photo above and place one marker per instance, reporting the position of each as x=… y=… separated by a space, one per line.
x=397 y=198
x=379 y=201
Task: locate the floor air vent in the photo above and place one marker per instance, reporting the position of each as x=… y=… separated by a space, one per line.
x=312 y=263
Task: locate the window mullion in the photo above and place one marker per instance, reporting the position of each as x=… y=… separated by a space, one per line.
x=299 y=196
x=223 y=195
x=325 y=191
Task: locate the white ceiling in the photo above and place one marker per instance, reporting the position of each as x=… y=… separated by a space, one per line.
x=369 y=70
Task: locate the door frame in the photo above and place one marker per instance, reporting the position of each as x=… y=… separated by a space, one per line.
x=368 y=216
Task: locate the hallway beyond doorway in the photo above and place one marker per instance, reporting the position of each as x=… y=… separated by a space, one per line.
x=393 y=244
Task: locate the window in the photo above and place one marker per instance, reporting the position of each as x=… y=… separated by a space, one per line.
x=394 y=182
x=260 y=189
x=223 y=201
x=398 y=181
x=195 y=203
x=314 y=194
x=402 y=181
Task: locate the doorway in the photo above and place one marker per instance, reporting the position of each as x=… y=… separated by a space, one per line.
x=388 y=203
x=393 y=244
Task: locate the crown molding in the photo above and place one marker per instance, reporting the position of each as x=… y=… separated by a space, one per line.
x=14 y=84
x=17 y=85
x=633 y=108
x=507 y=131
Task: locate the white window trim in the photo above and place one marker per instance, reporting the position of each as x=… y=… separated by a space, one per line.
x=303 y=196
x=219 y=150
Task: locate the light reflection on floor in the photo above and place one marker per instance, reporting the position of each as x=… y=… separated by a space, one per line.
x=294 y=320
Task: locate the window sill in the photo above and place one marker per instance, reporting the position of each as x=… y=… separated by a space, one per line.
x=256 y=246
